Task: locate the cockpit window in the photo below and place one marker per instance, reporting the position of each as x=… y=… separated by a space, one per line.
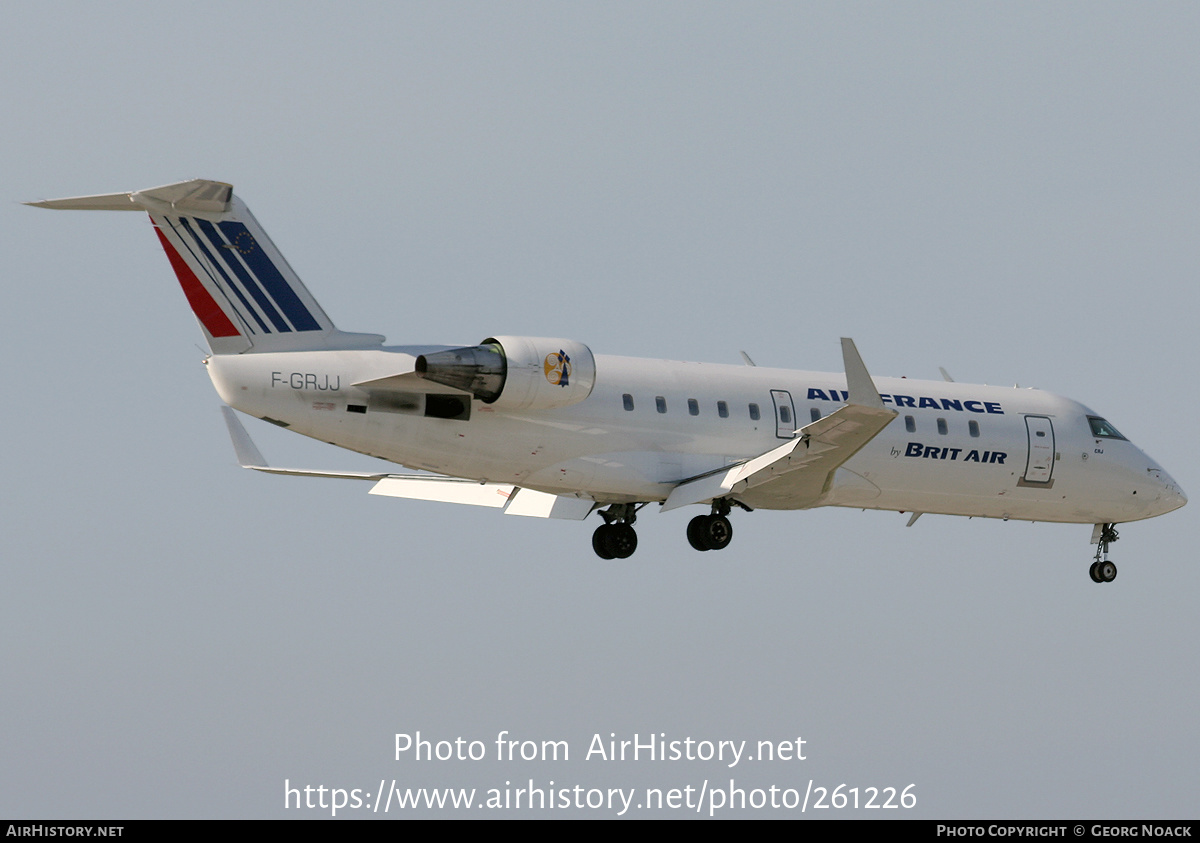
x=1102 y=429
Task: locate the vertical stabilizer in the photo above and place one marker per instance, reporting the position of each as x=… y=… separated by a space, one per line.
x=243 y=292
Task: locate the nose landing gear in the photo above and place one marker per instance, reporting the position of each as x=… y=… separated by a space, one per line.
x=1103 y=570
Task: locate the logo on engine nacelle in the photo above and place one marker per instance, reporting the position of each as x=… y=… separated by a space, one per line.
x=558 y=368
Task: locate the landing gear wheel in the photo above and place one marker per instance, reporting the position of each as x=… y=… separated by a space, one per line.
x=709 y=532
x=600 y=541
x=718 y=532
x=614 y=541
x=615 y=538
x=697 y=529
x=1102 y=570
x=622 y=540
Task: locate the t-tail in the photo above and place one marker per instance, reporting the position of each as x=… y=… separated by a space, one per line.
x=246 y=297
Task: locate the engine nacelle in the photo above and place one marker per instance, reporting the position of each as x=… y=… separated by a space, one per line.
x=516 y=373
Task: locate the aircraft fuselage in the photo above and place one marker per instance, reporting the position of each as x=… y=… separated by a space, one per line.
x=647 y=425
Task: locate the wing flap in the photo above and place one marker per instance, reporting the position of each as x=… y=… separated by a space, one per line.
x=514 y=499
x=426 y=487
x=444 y=489
x=535 y=504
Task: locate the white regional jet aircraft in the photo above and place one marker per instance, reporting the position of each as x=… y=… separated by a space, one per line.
x=544 y=427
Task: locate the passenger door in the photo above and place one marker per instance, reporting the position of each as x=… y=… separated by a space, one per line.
x=1040 y=464
x=785 y=414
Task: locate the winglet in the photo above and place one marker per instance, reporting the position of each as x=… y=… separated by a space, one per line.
x=858 y=380
x=249 y=456
x=247 y=452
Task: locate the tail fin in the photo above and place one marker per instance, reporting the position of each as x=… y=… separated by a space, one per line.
x=244 y=294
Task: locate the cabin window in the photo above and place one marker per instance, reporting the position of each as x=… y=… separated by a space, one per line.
x=910 y=424
x=973 y=426
x=755 y=415
x=942 y=427
x=627 y=400
x=814 y=414
x=693 y=407
x=785 y=414
x=1101 y=429
x=722 y=409
x=660 y=403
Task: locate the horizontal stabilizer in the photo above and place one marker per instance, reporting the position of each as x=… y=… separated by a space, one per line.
x=100 y=202
x=196 y=197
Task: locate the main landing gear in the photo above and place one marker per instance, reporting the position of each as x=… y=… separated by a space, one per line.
x=712 y=532
x=615 y=538
x=1102 y=570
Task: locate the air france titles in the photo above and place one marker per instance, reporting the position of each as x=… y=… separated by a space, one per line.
x=658 y=748
x=917 y=402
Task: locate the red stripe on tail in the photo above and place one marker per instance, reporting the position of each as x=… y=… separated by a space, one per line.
x=203 y=305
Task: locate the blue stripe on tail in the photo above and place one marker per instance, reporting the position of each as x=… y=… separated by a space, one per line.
x=248 y=281
x=237 y=290
x=245 y=244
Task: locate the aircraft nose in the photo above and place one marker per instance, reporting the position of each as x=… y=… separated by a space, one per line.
x=1171 y=496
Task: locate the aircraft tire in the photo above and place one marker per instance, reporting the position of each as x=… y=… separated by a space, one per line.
x=1094 y=572
x=622 y=540
x=1107 y=571
x=718 y=533
x=601 y=543
x=697 y=530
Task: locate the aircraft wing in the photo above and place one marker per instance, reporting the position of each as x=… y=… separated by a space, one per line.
x=429 y=487
x=797 y=473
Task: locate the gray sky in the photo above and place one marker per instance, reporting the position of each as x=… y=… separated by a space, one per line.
x=1006 y=190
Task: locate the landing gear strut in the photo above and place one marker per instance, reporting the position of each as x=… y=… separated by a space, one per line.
x=615 y=538
x=712 y=532
x=1102 y=570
